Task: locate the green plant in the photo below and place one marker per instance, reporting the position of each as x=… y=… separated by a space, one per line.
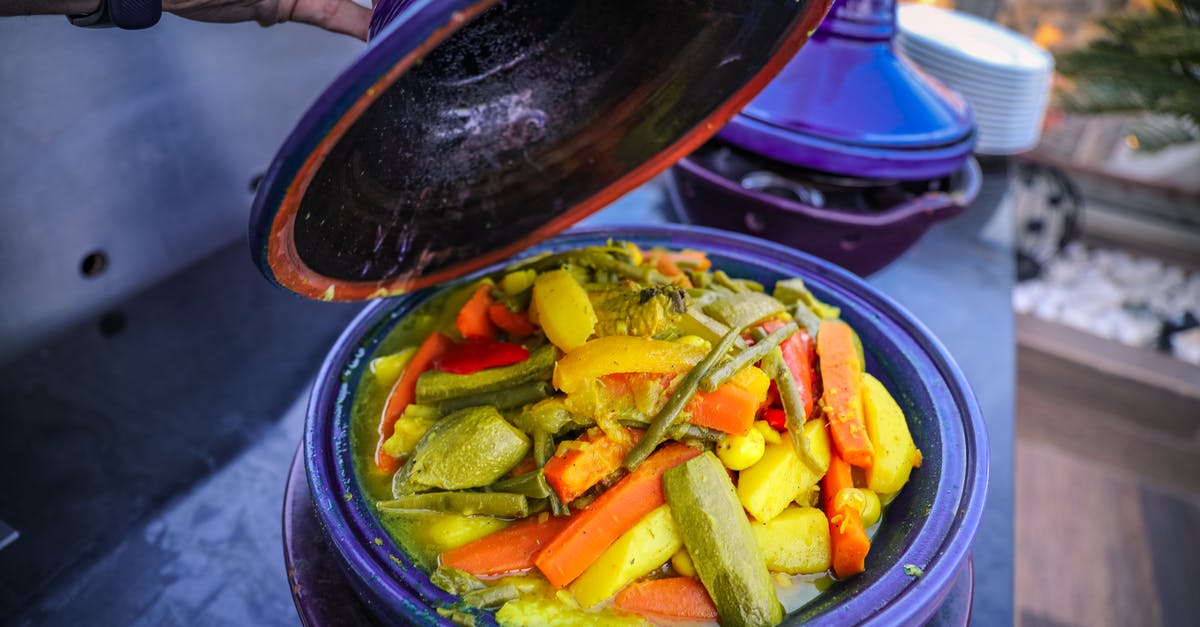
x=1143 y=63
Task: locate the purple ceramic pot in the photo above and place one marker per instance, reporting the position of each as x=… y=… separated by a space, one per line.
x=863 y=242
x=930 y=524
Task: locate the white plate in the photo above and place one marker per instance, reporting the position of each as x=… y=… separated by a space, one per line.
x=972 y=37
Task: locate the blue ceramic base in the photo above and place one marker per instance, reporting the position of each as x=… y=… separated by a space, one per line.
x=324 y=598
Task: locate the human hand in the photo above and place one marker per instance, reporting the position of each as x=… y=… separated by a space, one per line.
x=339 y=16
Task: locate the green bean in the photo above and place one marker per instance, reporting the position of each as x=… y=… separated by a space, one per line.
x=793 y=407
x=491 y=597
x=501 y=504
x=722 y=279
x=531 y=484
x=662 y=423
x=747 y=357
x=508 y=398
x=543 y=447
x=807 y=319
x=455 y=581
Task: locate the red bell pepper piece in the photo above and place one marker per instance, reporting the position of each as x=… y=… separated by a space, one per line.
x=475 y=355
x=797 y=354
x=776 y=418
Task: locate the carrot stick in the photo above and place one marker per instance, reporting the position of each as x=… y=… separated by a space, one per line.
x=403 y=392
x=473 y=321
x=509 y=550
x=729 y=408
x=847 y=537
x=573 y=471
x=841 y=376
x=515 y=324
x=617 y=510
x=677 y=598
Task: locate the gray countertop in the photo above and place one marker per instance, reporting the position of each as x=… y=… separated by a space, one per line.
x=149 y=489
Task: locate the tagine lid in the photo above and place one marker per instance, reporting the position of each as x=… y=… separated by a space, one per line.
x=848 y=104
x=470 y=129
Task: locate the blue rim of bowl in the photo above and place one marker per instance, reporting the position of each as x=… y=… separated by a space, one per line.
x=374 y=557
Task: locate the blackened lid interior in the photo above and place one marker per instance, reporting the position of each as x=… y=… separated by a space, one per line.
x=468 y=131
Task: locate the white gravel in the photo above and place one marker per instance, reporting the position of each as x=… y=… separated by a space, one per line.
x=1115 y=295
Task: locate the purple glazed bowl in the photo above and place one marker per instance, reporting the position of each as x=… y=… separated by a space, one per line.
x=862 y=242
x=930 y=524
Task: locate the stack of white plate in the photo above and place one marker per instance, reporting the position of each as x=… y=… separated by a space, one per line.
x=1004 y=76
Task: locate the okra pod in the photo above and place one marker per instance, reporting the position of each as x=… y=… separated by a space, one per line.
x=508 y=398
x=499 y=504
x=744 y=309
x=531 y=484
x=435 y=386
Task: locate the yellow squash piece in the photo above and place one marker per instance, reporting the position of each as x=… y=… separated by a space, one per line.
x=387 y=369
x=645 y=547
x=623 y=353
x=895 y=452
x=768 y=486
x=443 y=531
x=796 y=541
x=563 y=309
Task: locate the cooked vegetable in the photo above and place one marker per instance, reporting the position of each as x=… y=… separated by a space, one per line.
x=564 y=311
x=791 y=291
x=718 y=537
x=509 y=398
x=592 y=530
x=681 y=562
x=499 y=504
x=387 y=369
x=620 y=354
x=767 y=487
x=404 y=393
x=516 y=324
x=795 y=350
x=473 y=322
x=895 y=452
x=665 y=420
x=744 y=309
x=793 y=407
x=633 y=432
x=434 y=386
x=409 y=429
x=509 y=550
x=795 y=542
x=532 y=484
x=645 y=547
x=864 y=501
x=748 y=357
x=470 y=448
x=575 y=469
x=729 y=408
x=446 y=531
x=847 y=537
x=672 y=598
x=739 y=452
x=514 y=283
x=480 y=353
x=455 y=581
x=695 y=322
x=842 y=400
